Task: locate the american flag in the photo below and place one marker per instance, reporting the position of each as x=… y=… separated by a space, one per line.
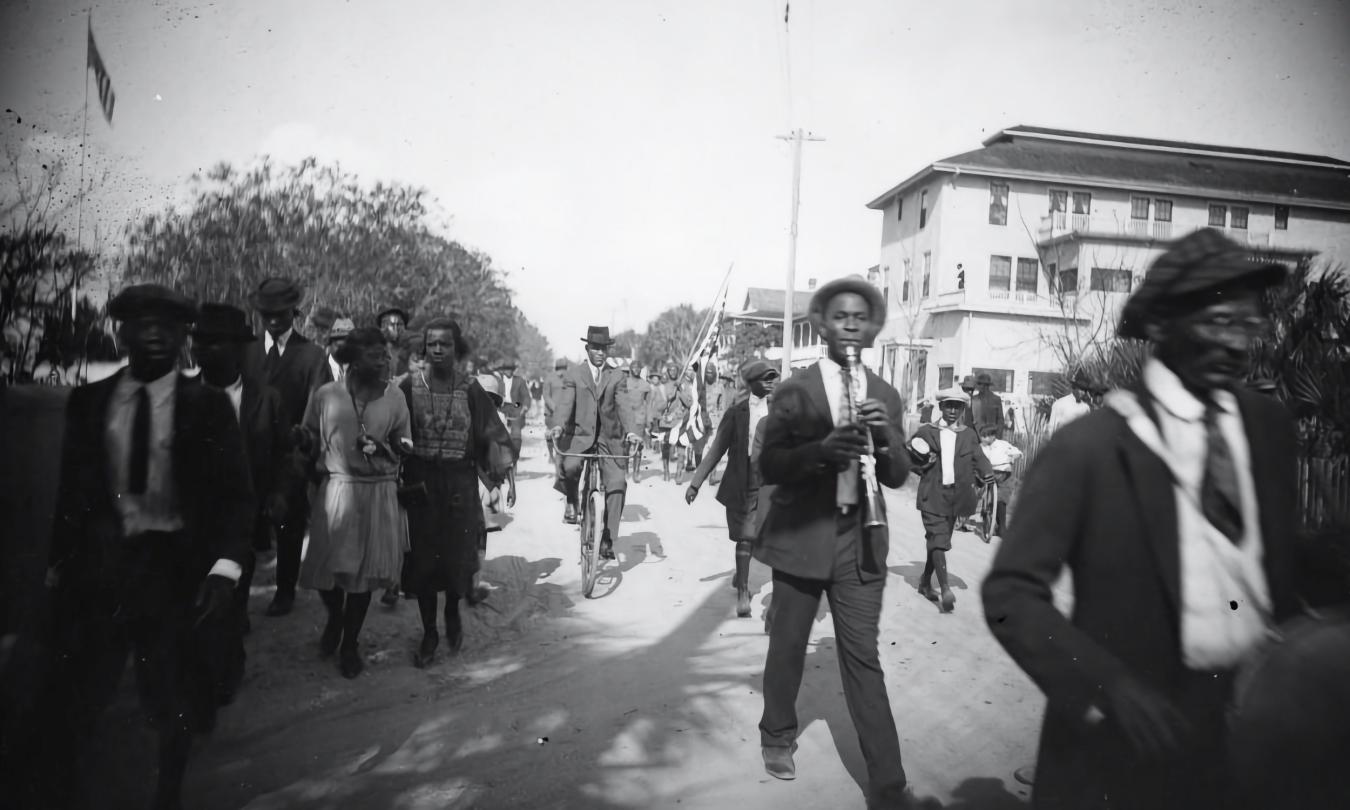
x=106 y=97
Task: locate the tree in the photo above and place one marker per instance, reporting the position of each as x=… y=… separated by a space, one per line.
x=532 y=349
x=625 y=343
x=750 y=339
x=355 y=247
x=670 y=337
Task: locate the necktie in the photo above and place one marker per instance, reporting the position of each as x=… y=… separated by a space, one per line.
x=1219 y=499
x=273 y=358
x=846 y=484
x=140 y=444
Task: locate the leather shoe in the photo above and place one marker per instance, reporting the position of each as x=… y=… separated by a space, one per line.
x=426 y=651
x=926 y=591
x=778 y=761
x=742 y=602
x=570 y=514
x=606 y=547
x=948 y=600
x=390 y=598
x=281 y=604
x=350 y=662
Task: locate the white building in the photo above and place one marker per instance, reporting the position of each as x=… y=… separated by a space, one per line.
x=1017 y=256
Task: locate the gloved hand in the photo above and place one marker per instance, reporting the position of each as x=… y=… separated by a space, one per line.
x=214 y=597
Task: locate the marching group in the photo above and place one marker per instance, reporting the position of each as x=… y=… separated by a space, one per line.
x=1171 y=505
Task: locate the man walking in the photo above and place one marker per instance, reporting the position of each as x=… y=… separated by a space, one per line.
x=588 y=419
x=153 y=520
x=287 y=361
x=1076 y=403
x=552 y=390
x=814 y=538
x=986 y=407
x=1172 y=507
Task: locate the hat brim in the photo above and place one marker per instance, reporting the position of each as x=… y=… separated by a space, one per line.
x=123 y=309
x=609 y=342
x=876 y=303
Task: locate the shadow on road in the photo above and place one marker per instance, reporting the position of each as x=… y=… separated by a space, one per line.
x=911 y=573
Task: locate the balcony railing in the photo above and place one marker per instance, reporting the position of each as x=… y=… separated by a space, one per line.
x=1016 y=296
x=1059 y=223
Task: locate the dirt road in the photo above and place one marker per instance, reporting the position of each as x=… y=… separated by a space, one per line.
x=646 y=696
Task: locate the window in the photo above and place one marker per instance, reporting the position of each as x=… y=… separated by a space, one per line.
x=1110 y=279
x=1218 y=216
x=945 y=377
x=1045 y=383
x=899 y=208
x=923 y=208
x=904 y=290
x=1059 y=201
x=1139 y=208
x=1001 y=379
x=1082 y=202
x=1239 y=219
x=998 y=203
x=1052 y=275
x=1162 y=210
x=1027 y=271
x=1068 y=281
x=1281 y=217
x=927 y=269
x=1000 y=272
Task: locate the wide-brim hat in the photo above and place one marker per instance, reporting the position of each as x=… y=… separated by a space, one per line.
x=876 y=302
x=953 y=395
x=393 y=311
x=323 y=317
x=983 y=378
x=152 y=299
x=756 y=369
x=276 y=294
x=598 y=334
x=1193 y=266
x=222 y=322
x=969 y=381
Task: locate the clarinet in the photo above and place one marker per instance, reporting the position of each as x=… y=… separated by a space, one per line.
x=874 y=515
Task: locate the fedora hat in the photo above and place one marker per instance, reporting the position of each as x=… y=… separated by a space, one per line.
x=969 y=381
x=598 y=334
x=876 y=302
x=342 y=327
x=276 y=294
x=392 y=311
x=151 y=299
x=1192 y=269
x=222 y=322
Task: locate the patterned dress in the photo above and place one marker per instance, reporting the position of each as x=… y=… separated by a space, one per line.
x=457 y=436
x=358 y=532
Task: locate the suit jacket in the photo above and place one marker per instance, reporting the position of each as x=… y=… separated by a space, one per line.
x=210 y=469
x=552 y=390
x=986 y=408
x=266 y=440
x=798 y=535
x=732 y=440
x=588 y=413
x=1099 y=502
x=302 y=369
x=969 y=462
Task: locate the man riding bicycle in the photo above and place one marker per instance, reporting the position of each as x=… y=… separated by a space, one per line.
x=587 y=418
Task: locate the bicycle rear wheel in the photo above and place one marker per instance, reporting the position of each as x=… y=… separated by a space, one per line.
x=592 y=528
x=988 y=512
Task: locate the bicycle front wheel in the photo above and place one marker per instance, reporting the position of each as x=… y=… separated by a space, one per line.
x=591 y=529
x=988 y=512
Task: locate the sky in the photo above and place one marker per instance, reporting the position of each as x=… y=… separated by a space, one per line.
x=615 y=158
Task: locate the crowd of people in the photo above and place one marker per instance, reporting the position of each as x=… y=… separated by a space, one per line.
x=1171 y=504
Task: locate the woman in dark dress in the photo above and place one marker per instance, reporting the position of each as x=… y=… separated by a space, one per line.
x=456 y=435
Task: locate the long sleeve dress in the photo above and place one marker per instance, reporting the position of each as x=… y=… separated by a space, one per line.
x=358 y=532
x=456 y=435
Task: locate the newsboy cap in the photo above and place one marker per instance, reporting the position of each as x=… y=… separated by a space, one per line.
x=756 y=369
x=342 y=327
x=953 y=395
x=876 y=303
x=152 y=299
x=276 y=294
x=224 y=323
x=1198 y=264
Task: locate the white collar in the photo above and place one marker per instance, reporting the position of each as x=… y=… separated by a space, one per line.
x=158 y=388
x=1166 y=388
x=280 y=342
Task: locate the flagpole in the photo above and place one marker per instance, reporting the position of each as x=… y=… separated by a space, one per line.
x=708 y=320
x=79 y=201
x=789 y=293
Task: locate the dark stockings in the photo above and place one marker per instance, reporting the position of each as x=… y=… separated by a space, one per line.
x=454 y=630
x=174 y=746
x=937 y=561
x=742 y=579
x=346 y=616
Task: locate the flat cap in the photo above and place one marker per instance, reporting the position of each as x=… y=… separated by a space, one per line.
x=342 y=327
x=1201 y=262
x=152 y=299
x=276 y=294
x=953 y=395
x=756 y=369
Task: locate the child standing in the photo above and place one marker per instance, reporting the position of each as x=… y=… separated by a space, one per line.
x=1001 y=455
x=948 y=459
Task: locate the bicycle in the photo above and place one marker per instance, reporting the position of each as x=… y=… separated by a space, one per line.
x=591 y=514
x=987 y=511
x=635 y=466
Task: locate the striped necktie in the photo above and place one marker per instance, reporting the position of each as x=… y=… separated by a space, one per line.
x=1219 y=496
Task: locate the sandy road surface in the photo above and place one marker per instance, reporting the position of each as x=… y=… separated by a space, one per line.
x=646 y=696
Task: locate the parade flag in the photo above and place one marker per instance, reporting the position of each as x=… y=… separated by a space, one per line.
x=106 y=97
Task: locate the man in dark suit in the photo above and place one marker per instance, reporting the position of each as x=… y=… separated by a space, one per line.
x=739 y=490
x=986 y=407
x=552 y=391
x=814 y=537
x=287 y=361
x=1173 y=507
x=587 y=419
x=152 y=528
x=220 y=339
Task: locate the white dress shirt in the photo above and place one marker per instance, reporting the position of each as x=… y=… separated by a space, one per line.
x=339 y=370
x=759 y=408
x=1066 y=409
x=1216 y=573
x=281 y=342
x=596 y=371
x=155 y=510
x=832 y=376
x=235 y=391
x=947 y=451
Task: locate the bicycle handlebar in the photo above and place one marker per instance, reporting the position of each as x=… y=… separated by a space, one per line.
x=596 y=455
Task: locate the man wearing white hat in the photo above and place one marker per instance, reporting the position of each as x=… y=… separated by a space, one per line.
x=947 y=456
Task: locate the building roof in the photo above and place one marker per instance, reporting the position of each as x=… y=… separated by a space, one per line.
x=767 y=304
x=1088 y=159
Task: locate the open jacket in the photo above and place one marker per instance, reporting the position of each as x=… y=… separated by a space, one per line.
x=798 y=535
x=587 y=412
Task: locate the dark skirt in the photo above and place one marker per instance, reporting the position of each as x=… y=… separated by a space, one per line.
x=444 y=529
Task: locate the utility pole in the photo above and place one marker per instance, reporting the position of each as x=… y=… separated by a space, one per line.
x=789 y=292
